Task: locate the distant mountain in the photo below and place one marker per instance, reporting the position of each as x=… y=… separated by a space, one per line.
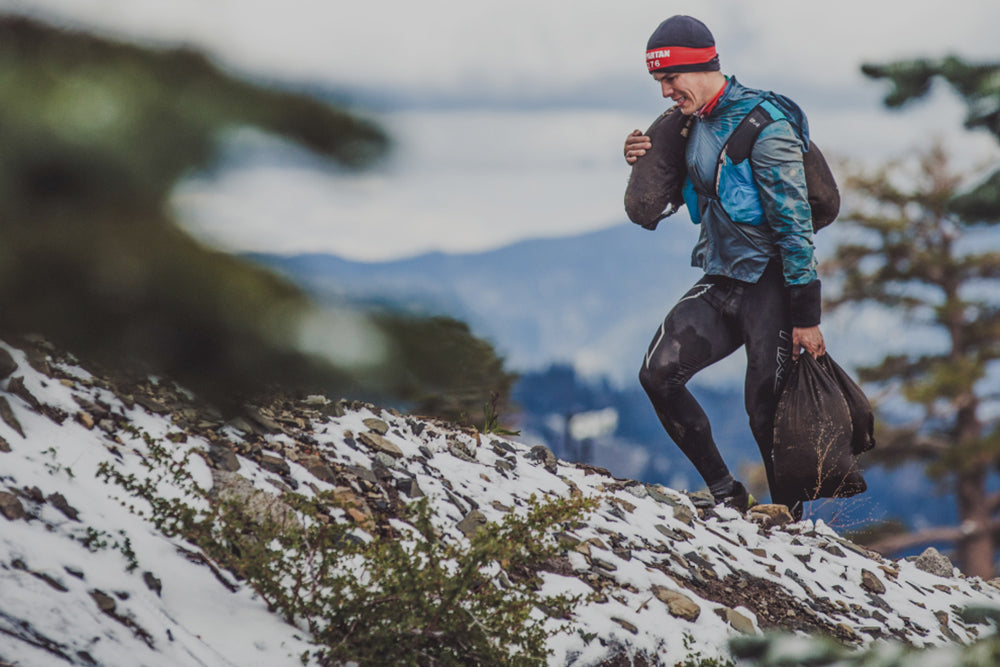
x=593 y=301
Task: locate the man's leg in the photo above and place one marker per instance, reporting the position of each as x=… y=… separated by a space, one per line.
x=767 y=334
x=694 y=335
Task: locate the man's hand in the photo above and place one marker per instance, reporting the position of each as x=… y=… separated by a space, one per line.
x=809 y=338
x=636 y=145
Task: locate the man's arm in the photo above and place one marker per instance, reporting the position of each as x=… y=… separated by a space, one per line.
x=781 y=180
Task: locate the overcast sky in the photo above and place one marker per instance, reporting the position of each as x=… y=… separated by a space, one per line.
x=509 y=115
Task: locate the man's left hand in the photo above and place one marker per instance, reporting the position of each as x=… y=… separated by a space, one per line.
x=810 y=339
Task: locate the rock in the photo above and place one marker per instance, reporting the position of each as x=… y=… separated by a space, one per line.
x=152 y=405
x=933 y=561
x=231 y=486
x=376 y=442
x=223 y=457
x=59 y=502
x=7 y=414
x=544 y=455
x=7 y=363
x=702 y=499
x=625 y=624
x=409 y=487
x=376 y=425
x=85 y=419
x=275 y=464
x=105 y=602
x=4 y=446
x=320 y=470
x=739 y=622
x=872 y=583
x=679 y=605
x=683 y=514
x=472 y=522
x=660 y=496
x=770 y=516
x=152 y=582
x=16 y=386
x=10 y=506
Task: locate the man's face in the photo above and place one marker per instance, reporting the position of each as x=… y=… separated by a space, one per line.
x=686 y=89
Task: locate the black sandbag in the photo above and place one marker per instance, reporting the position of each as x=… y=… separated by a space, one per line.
x=862 y=415
x=812 y=454
x=654 y=186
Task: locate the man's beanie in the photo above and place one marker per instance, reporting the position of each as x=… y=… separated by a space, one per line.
x=681 y=44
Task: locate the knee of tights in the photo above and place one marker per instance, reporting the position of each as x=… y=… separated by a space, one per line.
x=659 y=380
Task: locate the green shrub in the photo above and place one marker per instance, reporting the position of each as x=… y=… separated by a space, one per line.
x=406 y=596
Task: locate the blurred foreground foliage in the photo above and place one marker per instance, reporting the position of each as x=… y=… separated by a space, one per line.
x=96 y=134
x=778 y=650
x=978 y=86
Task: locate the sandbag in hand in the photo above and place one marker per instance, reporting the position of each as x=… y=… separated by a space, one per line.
x=813 y=434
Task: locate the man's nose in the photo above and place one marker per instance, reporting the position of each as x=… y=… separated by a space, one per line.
x=666 y=89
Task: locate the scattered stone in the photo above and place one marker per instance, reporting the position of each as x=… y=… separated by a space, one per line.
x=603 y=564
x=472 y=522
x=637 y=490
x=16 y=387
x=275 y=464
x=459 y=450
x=660 y=496
x=544 y=455
x=7 y=363
x=934 y=562
x=152 y=582
x=85 y=419
x=223 y=457
x=59 y=502
x=872 y=583
x=684 y=515
x=770 y=516
x=739 y=622
x=231 y=486
x=7 y=414
x=105 y=602
x=625 y=624
x=152 y=405
x=702 y=499
x=378 y=443
x=11 y=507
x=376 y=425
x=679 y=605
x=409 y=487
x=320 y=470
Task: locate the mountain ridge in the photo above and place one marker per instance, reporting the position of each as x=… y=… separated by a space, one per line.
x=667 y=576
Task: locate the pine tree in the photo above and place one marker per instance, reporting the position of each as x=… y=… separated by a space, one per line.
x=921 y=254
x=96 y=134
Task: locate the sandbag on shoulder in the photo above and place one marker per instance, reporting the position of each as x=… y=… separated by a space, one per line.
x=654 y=186
x=813 y=431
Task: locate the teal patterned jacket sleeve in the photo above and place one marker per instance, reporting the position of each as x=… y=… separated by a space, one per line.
x=781 y=181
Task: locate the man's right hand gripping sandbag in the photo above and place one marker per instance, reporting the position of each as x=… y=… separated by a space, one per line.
x=658 y=172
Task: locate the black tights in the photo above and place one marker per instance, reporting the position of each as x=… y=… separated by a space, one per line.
x=709 y=323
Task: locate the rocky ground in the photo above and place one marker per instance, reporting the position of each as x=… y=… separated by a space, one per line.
x=671 y=575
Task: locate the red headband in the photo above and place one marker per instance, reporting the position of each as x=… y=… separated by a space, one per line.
x=668 y=56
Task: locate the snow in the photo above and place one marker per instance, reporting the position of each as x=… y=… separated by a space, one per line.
x=641 y=539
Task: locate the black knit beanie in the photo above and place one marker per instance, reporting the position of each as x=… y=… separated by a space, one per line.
x=681 y=44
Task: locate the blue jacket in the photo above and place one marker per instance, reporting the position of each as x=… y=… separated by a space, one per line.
x=762 y=208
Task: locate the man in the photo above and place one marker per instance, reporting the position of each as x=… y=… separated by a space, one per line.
x=760 y=288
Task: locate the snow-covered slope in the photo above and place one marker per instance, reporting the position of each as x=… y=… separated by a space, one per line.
x=673 y=579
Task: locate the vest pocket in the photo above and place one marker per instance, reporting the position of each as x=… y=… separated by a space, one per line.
x=738 y=193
